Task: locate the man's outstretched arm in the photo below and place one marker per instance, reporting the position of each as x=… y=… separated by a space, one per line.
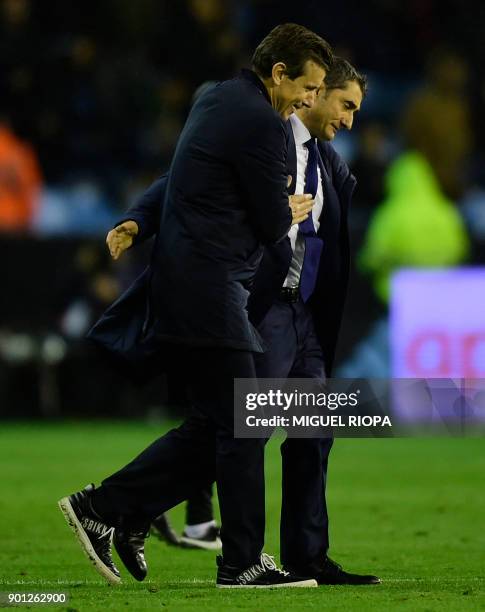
x=141 y=220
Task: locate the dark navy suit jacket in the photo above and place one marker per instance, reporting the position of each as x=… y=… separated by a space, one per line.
x=327 y=302
x=224 y=198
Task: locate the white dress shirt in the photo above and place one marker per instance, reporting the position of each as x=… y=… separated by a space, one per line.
x=301 y=135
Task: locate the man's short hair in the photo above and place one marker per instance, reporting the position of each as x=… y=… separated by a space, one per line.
x=293 y=45
x=341 y=72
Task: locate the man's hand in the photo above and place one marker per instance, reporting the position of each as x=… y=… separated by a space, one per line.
x=121 y=238
x=301 y=206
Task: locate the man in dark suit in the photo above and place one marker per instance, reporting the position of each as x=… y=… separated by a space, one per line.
x=299 y=318
x=297 y=302
x=226 y=197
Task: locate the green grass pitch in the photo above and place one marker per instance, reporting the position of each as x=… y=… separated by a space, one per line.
x=411 y=511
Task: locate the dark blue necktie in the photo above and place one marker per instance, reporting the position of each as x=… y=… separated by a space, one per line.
x=313 y=244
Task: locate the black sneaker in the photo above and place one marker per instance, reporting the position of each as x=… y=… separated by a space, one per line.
x=262 y=575
x=209 y=541
x=162 y=529
x=129 y=541
x=93 y=533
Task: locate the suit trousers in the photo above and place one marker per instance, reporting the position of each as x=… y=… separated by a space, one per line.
x=293 y=351
x=199 y=508
x=183 y=461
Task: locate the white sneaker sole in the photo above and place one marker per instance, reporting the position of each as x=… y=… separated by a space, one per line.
x=194 y=543
x=310 y=583
x=73 y=522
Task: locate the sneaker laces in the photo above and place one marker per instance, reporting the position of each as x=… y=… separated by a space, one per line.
x=269 y=562
x=105 y=544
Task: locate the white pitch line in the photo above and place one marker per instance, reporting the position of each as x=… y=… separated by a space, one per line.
x=4 y=582
x=198 y=581
x=434 y=579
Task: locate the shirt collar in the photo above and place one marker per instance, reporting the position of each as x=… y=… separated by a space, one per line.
x=250 y=75
x=300 y=130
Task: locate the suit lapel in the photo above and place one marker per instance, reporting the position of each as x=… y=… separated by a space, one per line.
x=330 y=216
x=291 y=158
x=323 y=170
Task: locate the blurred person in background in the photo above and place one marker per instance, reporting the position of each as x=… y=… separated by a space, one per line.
x=215 y=43
x=19 y=53
x=437 y=120
x=416 y=226
x=88 y=288
x=369 y=165
x=20 y=182
x=92 y=286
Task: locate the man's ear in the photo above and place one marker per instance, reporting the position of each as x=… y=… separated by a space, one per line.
x=278 y=72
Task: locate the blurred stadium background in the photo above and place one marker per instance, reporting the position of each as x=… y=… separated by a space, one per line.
x=92 y=98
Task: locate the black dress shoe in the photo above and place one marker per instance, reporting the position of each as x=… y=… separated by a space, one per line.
x=129 y=542
x=332 y=573
x=162 y=529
